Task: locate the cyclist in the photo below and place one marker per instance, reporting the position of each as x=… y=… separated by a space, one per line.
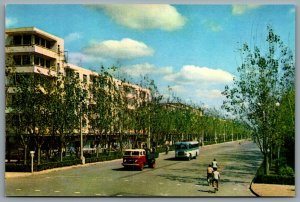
x=209 y=174
x=216 y=178
x=214 y=164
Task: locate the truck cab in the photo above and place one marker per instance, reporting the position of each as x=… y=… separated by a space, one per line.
x=138 y=158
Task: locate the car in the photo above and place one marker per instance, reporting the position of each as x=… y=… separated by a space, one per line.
x=138 y=158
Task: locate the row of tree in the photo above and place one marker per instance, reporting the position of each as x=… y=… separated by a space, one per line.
x=263 y=95
x=48 y=113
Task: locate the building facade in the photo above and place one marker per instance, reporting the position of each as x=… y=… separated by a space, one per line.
x=31 y=51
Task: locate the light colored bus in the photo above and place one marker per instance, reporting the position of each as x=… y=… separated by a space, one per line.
x=187 y=149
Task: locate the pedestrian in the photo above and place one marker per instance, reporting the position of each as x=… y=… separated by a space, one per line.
x=214 y=164
x=167 y=149
x=216 y=179
x=209 y=174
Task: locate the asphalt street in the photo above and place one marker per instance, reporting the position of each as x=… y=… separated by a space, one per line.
x=171 y=178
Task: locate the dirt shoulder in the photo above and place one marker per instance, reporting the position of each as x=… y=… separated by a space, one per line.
x=273 y=190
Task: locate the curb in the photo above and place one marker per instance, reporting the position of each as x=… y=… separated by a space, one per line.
x=252 y=191
x=26 y=174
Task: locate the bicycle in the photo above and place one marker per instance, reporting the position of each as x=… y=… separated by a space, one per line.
x=215 y=185
x=209 y=179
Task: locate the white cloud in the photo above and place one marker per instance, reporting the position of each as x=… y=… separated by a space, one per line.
x=202 y=75
x=142 y=16
x=209 y=94
x=78 y=58
x=212 y=25
x=10 y=21
x=241 y=9
x=73 y=37
x=146 y=69
x=123 y=49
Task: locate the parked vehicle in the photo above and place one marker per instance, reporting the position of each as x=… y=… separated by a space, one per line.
x=138 y=158
x=187 y=149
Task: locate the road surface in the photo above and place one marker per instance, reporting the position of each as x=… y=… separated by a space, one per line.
x=238 y=164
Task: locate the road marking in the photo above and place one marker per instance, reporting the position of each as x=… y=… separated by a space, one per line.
x=77 y=192
x=119 y=195
x=56 y=191
x=126 y=180
x=37 y=190
x=18 y=189
x=161 y=183
x=178 y=184
x=98 y=194
x=47 y=177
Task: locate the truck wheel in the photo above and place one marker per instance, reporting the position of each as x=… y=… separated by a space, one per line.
x=190 y=157
x=196 y=155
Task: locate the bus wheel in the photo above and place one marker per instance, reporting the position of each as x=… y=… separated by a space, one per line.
x=141 y=167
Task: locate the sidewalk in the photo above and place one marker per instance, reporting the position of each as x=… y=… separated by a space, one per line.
x=25 y=174
x=273 y=190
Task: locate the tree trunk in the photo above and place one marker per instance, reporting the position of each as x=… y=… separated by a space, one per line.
x=39 y=154
x=266 y=163
x=61 y=153
x=25 y=154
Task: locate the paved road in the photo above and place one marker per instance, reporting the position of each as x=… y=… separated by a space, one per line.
x=238 y=163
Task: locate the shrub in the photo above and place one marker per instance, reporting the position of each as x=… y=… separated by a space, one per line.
x=286 y=171
x=17 y=168
x=275 y=179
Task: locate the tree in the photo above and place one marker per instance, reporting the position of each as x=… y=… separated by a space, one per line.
x=263 y=80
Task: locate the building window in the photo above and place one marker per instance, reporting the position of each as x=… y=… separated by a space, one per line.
x=36 y=60
x=42 y=62
x=18 y=40
x=17 y=60
x=37 y=40
x=48 y=63
x=42 y=42
x=85 y=78
x=25 y=60
x=26 y=39
x=48 y=44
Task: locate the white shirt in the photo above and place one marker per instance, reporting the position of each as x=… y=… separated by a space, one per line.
x=214 y=164
x=216 y=175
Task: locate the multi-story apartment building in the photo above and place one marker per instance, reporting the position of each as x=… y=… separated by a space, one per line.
x=33 y=51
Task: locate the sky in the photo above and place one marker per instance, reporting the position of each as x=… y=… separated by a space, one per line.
x=190 y=51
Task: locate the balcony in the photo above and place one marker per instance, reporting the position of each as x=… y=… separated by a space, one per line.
x=35 y=69
x=32 y=49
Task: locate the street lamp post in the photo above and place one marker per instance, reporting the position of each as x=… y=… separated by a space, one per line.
x=32 y=155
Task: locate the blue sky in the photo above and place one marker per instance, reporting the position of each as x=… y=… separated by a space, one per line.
x=191 y=48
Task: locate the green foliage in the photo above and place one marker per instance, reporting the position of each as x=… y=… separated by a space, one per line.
x=266 y=78
x=288 y=179
x=17 y=168
x=275 y=179
x=286 y=171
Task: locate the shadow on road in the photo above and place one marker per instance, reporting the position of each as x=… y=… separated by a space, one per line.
x=172 y=159
x=207 y=191
x=119 y=169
